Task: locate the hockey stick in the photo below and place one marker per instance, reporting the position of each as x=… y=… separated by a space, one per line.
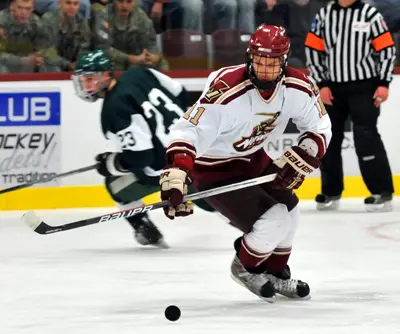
x=39 y=226
x=29 y=184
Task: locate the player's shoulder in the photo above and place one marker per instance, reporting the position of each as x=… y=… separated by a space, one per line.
x=368 y=7
x=122 y=99
x=226 y=85
x=295 y=79
x=134 y=74
x=118 y=109
x=372 y=13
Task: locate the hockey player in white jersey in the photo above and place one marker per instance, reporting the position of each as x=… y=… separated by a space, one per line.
x=222 y=140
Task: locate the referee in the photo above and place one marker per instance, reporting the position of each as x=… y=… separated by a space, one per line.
x=350 y=54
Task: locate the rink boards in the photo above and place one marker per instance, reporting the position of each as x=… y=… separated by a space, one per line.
x=46 y=130
x=96 y=195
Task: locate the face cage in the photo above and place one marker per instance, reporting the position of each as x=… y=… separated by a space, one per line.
x=80 y=90
x=264 y=84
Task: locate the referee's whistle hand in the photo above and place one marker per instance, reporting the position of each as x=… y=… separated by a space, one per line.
x=381 y=95
x=326 y=95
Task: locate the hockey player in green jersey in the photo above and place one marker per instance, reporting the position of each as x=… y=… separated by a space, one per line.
x=138 y=109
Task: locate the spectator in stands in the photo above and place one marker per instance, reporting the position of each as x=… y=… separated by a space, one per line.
x=272 y=12
x=3 y=4
x=189 y=12
x=390 y=10
x=234 y=14
x=24 y=46
x=44 y=6
x=69 y=33
x=98 y=4
x=128 y=34
x=301 y=15
x=296 y=16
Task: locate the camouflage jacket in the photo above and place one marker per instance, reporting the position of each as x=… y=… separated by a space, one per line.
x=21 y=40
x=125 y=38
x=72 y=37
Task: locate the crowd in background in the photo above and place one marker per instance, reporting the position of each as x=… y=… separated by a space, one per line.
x=49 y=35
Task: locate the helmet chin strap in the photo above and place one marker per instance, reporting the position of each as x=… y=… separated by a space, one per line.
x=265 y=84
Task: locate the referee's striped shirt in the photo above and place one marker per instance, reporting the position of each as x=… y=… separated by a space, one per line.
x=349 y=44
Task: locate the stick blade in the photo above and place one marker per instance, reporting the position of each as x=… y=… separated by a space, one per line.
x=31 y=219
x=34 y=222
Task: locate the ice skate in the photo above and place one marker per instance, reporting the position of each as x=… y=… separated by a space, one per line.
x=327 y=203
x=288 y=287
x=379 y=203
x=146 y=233
x=259 y=284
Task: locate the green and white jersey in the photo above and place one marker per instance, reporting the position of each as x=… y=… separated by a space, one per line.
x=137 y=114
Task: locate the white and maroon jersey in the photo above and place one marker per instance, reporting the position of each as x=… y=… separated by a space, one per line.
x=231 y=123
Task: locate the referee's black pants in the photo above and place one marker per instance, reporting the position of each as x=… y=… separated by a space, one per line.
x=356 y=100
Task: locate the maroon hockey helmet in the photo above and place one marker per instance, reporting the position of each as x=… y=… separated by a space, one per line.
x=270 y=42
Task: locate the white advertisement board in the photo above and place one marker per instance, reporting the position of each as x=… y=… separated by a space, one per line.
x=30 y=135
x=82 y=139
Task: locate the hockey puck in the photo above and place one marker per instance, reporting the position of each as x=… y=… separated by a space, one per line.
x=172 y=313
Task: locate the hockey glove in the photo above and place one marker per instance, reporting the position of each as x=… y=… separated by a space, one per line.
x=107 y=164
x=174 y=186
x=292 y=168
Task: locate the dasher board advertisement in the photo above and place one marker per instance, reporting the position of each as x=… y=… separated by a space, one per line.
x=30 y=134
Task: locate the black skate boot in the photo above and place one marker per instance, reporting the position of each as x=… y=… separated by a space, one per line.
x=255 y=279
x=288 y=287
x=379 y=203
x=327 y=203
x=146 y=233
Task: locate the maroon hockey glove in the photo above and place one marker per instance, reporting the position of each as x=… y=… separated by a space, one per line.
x=292 y=168
x=174 y=183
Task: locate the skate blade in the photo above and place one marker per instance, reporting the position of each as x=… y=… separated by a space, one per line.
x=294 y=297
x=331 y=206
x=384 y=207
x=161 y=244
x=270 y=300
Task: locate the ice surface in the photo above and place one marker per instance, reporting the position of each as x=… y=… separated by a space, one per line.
x=98 y=280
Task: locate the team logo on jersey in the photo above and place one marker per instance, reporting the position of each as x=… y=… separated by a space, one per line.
x=314 y=25
x=259 y=134
x=361 y=26
x=216 y=90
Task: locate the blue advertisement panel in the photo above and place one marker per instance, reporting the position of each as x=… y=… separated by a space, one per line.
x=30 y=135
